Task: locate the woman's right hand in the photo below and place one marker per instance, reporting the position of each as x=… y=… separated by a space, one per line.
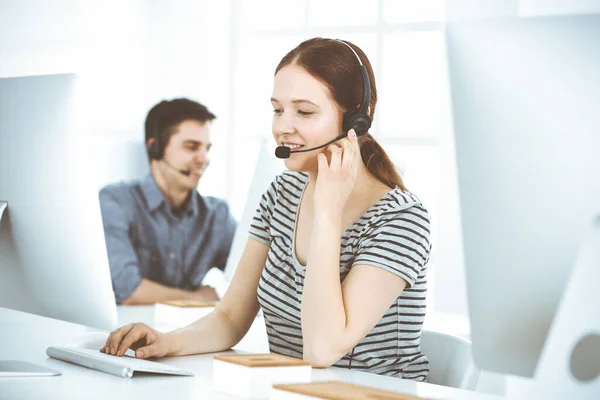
x=146 y=341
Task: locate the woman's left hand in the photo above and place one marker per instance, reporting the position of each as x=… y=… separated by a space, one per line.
x=336 y=178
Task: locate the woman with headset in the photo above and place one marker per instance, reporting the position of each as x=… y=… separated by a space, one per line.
x=338 y=249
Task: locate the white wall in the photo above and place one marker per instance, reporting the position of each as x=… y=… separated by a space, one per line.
x=468 y=9
x=557 y=7
x=471 y=9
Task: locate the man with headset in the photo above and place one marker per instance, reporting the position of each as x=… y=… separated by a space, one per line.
x=162 y=236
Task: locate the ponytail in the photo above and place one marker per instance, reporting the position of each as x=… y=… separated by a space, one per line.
x=378 y=163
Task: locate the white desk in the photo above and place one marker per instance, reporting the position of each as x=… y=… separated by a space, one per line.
x=26 y=337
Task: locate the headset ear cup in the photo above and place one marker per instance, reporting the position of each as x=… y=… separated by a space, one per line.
x=359 y=121
x=361 y=124
x=154 y=151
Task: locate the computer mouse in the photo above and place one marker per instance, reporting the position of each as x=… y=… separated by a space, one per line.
x=91 y=340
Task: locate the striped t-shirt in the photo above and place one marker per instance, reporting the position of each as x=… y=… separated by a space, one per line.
x=393 y=234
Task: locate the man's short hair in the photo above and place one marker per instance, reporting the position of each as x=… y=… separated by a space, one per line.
x=163 y=118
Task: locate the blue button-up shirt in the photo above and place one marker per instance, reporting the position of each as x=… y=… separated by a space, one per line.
x=145 y=239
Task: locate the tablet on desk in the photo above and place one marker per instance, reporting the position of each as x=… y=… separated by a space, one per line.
x=15 y=368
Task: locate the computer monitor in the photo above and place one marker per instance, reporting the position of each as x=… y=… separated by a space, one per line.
x=53 y=259
x=525 y=97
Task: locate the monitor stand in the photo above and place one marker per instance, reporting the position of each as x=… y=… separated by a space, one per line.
x=18 y=368
x=569 y=365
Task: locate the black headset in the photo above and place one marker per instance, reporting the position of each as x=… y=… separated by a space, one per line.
x=156 y=151
x=357 y=119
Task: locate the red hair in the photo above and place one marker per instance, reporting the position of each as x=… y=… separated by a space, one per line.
x=334 y=65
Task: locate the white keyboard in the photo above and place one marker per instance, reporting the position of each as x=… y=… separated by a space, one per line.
x=123 y=367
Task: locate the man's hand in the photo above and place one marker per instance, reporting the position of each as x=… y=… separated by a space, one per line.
x=205 y=293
